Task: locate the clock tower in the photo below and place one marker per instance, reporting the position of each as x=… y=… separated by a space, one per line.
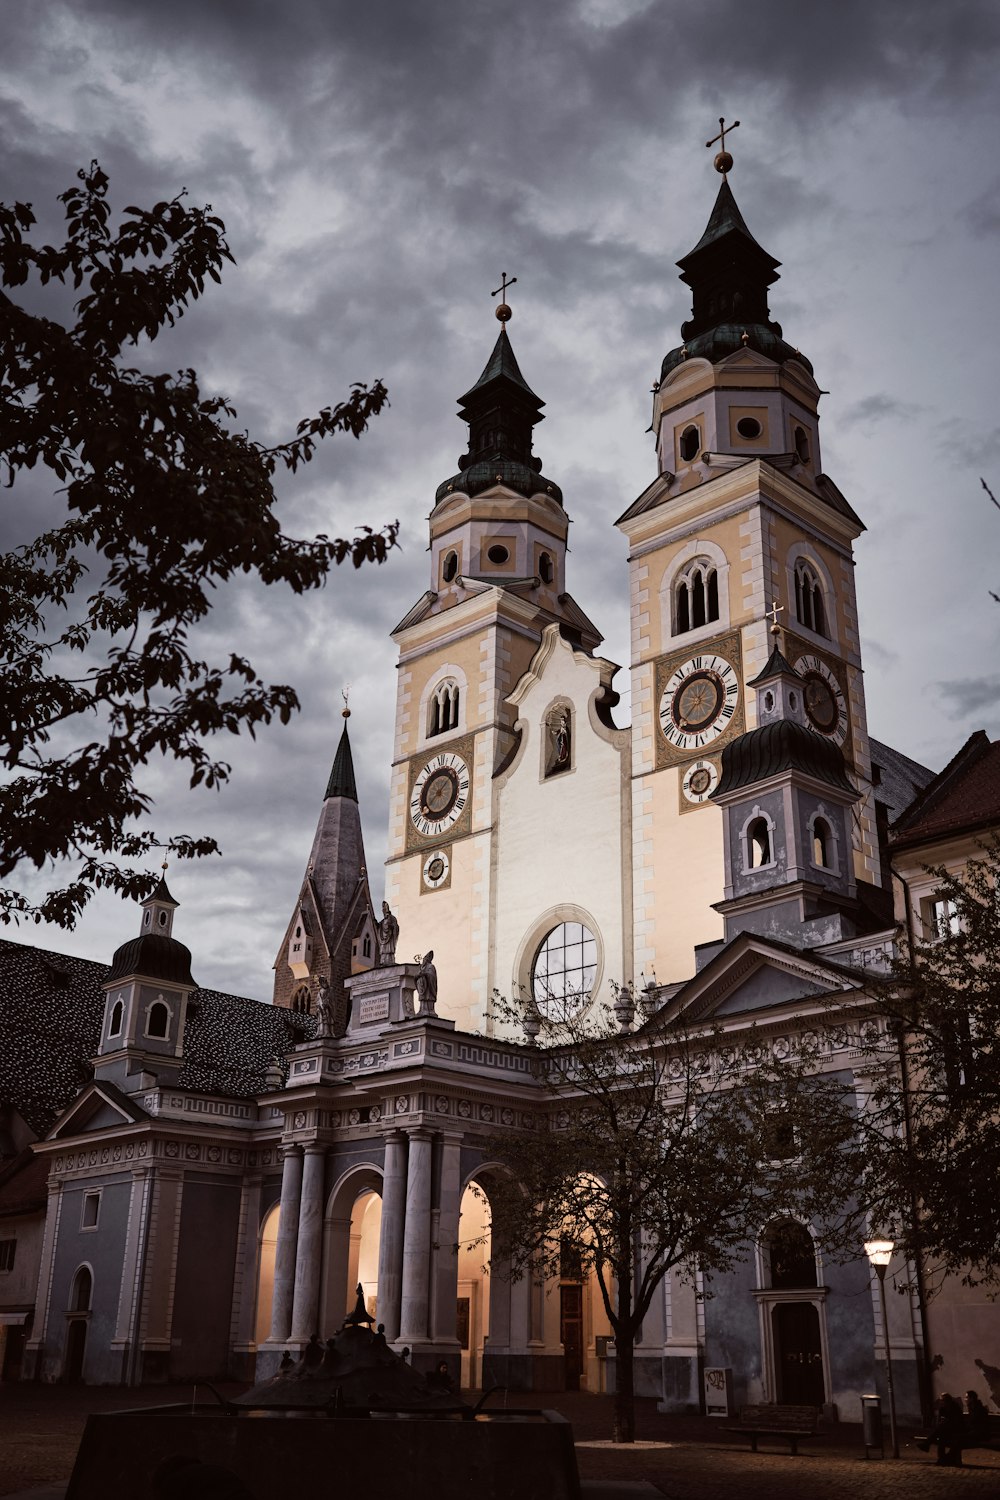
x=740 y=523
x=497 y=561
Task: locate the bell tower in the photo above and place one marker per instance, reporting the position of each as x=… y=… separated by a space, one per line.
x=740 y=523
x=498 y=534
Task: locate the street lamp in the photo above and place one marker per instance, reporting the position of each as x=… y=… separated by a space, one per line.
x=879 y=1253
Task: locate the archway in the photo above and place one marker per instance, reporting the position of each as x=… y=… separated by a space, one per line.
x=352 y=1234
x=80 y=1297
x=472 y=1311
x=265 y=1272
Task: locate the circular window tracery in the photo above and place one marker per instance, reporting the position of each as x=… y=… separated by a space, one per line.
x=564 y=970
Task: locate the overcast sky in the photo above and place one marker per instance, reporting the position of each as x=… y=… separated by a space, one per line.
x=378 y=166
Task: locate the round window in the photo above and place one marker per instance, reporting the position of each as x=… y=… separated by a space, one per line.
x=498 y=554
x=690 y=443
x=749 y=427
x=564 y=970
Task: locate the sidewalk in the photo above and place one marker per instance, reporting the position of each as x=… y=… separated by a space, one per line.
x=40 y=1428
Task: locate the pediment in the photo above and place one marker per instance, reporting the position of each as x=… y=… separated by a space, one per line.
x=752 y=975
x=101 y=1106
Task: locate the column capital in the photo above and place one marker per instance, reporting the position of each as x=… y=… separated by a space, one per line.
x=394 y=1134
x=421 y=1133
x=289 y=1148
x=315 y=1148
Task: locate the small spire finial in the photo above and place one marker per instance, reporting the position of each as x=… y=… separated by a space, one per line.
x=723 y=159
x=772 y=615
x=345 y=693
x=503 y=310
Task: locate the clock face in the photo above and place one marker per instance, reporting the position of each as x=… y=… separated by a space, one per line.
x=700 y=780
x=436 y=867
x=826 y=707
x=439 y=794
x=699 y=701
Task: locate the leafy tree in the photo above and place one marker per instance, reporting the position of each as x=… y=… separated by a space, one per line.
x=165 y=499
x=665 y=1147
x=932 y=1118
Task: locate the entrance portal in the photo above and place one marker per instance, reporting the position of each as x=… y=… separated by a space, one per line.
x=571 y=1331
x=798 y=1354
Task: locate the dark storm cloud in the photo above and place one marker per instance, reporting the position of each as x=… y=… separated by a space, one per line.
x=971 y=695
x=377 y=167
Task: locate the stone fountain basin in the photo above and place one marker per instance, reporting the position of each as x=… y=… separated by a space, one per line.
x=255 y=1454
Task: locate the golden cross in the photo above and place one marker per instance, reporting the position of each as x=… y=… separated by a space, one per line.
x=772 y=615
x=721 y=137
x=502 y=288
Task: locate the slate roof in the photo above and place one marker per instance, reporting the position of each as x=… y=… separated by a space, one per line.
x=342 y=781
x=501 y=365
x=51 y=1008
x=963 y=798
x=781 y=746
x=23 y=1184
x=900 y=778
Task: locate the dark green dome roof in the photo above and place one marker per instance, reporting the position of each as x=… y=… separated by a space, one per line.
x=725 y=339
x=780 y=746
x=496 y=469
x=153 y=956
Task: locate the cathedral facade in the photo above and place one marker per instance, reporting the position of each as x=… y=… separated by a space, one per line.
x=230 y=1172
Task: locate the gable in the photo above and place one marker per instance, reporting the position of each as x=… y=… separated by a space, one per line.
x=766 y=986
x=102 y=1106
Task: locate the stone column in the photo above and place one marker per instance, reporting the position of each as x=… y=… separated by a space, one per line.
x=444 y=1256
x=288 y=1236
x=390 y=1245
x=309 y=1251
x=413 y=1318
x=241 y=1327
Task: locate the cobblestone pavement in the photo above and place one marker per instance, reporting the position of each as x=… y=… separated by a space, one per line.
x=40 y=1427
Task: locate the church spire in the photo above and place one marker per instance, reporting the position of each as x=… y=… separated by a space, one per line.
x=729 y=274
x=342 y=782
x=502 y=412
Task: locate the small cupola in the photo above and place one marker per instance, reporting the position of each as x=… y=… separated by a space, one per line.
x=158 y=911
x=780 y=691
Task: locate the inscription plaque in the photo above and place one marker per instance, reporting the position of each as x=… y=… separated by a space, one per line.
x=373 y=1008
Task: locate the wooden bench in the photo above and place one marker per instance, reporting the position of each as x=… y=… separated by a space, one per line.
x=777 y=1421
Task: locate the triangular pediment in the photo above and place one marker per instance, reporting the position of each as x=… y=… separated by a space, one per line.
x=101 y=1106
x=751 y=975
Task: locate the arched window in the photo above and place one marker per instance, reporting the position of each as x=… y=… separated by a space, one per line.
x=564 y=969
x=117 y=1019
x=158 y=1020
x=696 y=596
x=450 y=568
x=809 y=607
x=443 y=707
x=302 y=999
x=822 y=840
x=790 y=1255
x=545 y=569
x=802 y=445
x=82 y=1291
x=689 y=444
x=758 y=844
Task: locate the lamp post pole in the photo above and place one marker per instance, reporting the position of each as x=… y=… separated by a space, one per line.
x=879 y=1253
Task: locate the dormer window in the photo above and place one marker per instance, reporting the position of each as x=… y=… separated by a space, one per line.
x=809 y=607
x=696 y=596
x=443 y=708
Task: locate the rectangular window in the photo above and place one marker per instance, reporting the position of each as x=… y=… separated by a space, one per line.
x=941 y=918
x=90 y=1210
x=7 y=1248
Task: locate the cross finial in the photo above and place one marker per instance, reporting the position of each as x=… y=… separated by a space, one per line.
x=723 y=159
x=772 y=615
x=345 y=693
x=503 y=310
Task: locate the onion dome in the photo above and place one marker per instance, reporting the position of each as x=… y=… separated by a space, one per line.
x=782 y=745
x=152 y=956
x=502 y=411
x=729 y=274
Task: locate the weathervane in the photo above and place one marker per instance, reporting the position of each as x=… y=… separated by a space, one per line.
x=345 y=693
x=503 y=311
x=723 y=159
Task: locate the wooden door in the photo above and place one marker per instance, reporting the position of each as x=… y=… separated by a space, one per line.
x=571 y=1332
x=798 y=1354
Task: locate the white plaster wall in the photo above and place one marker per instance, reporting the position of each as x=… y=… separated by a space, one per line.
x=563 y=841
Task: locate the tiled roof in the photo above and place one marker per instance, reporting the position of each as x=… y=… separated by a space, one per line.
x=963 y=798
x=51 y=1008
x=22 y=1184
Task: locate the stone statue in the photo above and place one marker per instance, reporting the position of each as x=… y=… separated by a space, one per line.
x=427 y=984
x=324 y=1011
x=388 y=932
